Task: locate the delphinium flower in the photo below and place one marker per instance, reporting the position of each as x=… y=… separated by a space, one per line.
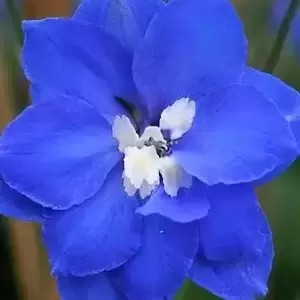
x=279 y=11
x=133 y=199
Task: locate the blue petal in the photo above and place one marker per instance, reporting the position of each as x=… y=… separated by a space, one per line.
x=94 y=287
x=37 y=93
x=191 y=47
x=15 y=205
x=238 y=136
x=286 y=98
x=189 y=205
x=127 y=20
x=244 y=277
x=40 y=93
x=78 y=59
x=233 y=223
x=98 y=235
x=58 y=152
x=159 y=268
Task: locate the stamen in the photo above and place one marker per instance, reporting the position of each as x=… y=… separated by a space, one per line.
x=162 y=148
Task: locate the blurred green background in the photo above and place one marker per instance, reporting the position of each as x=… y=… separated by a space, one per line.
x=24 y=271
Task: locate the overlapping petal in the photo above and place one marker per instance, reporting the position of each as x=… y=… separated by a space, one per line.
x=78 y=59
x=286 y=98
x=242 y=271
x=232 y=226
x=98 y=235
x=238 y=136
x=288 y=102
x=158 y=270
x=190 y=48
x=90 y=288
x=38 y=93
x=127 y=20
x=189 y=205
x=16 y=205
x=58 y=152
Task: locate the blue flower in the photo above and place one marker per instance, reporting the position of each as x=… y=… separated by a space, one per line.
x=133 y=201
x=279 y=10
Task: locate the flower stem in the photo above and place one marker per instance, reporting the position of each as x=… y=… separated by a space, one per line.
x=18 y=91
x=15 y=18
x=283 y=31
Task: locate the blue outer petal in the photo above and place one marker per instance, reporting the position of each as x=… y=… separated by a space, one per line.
x=15 y=205
x=190 y=48
x=37 y=93
x=244 y=277
x=189 y=205
x=238 y=136
x=94 y=287
x=58 y=152
x=159 y=268
x=232 y=226
x=286 y=98
x=78 y=59
x=96 y=236
x=127 y=20
x=40 y=93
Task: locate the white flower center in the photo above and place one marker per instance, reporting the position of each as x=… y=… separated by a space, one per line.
x=147 y=157
x=141 y=164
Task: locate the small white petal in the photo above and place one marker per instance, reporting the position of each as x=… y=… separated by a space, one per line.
x=146 y=189
x=124 y=133
x=141 y=164
x=153 y=132
x=174 y=177
x=178 y=118
x=129 y=188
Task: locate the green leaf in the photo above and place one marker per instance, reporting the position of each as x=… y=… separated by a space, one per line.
x=191 y=291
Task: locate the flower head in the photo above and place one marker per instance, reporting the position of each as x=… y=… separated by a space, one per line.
x=131 y=205
x=148 y=157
